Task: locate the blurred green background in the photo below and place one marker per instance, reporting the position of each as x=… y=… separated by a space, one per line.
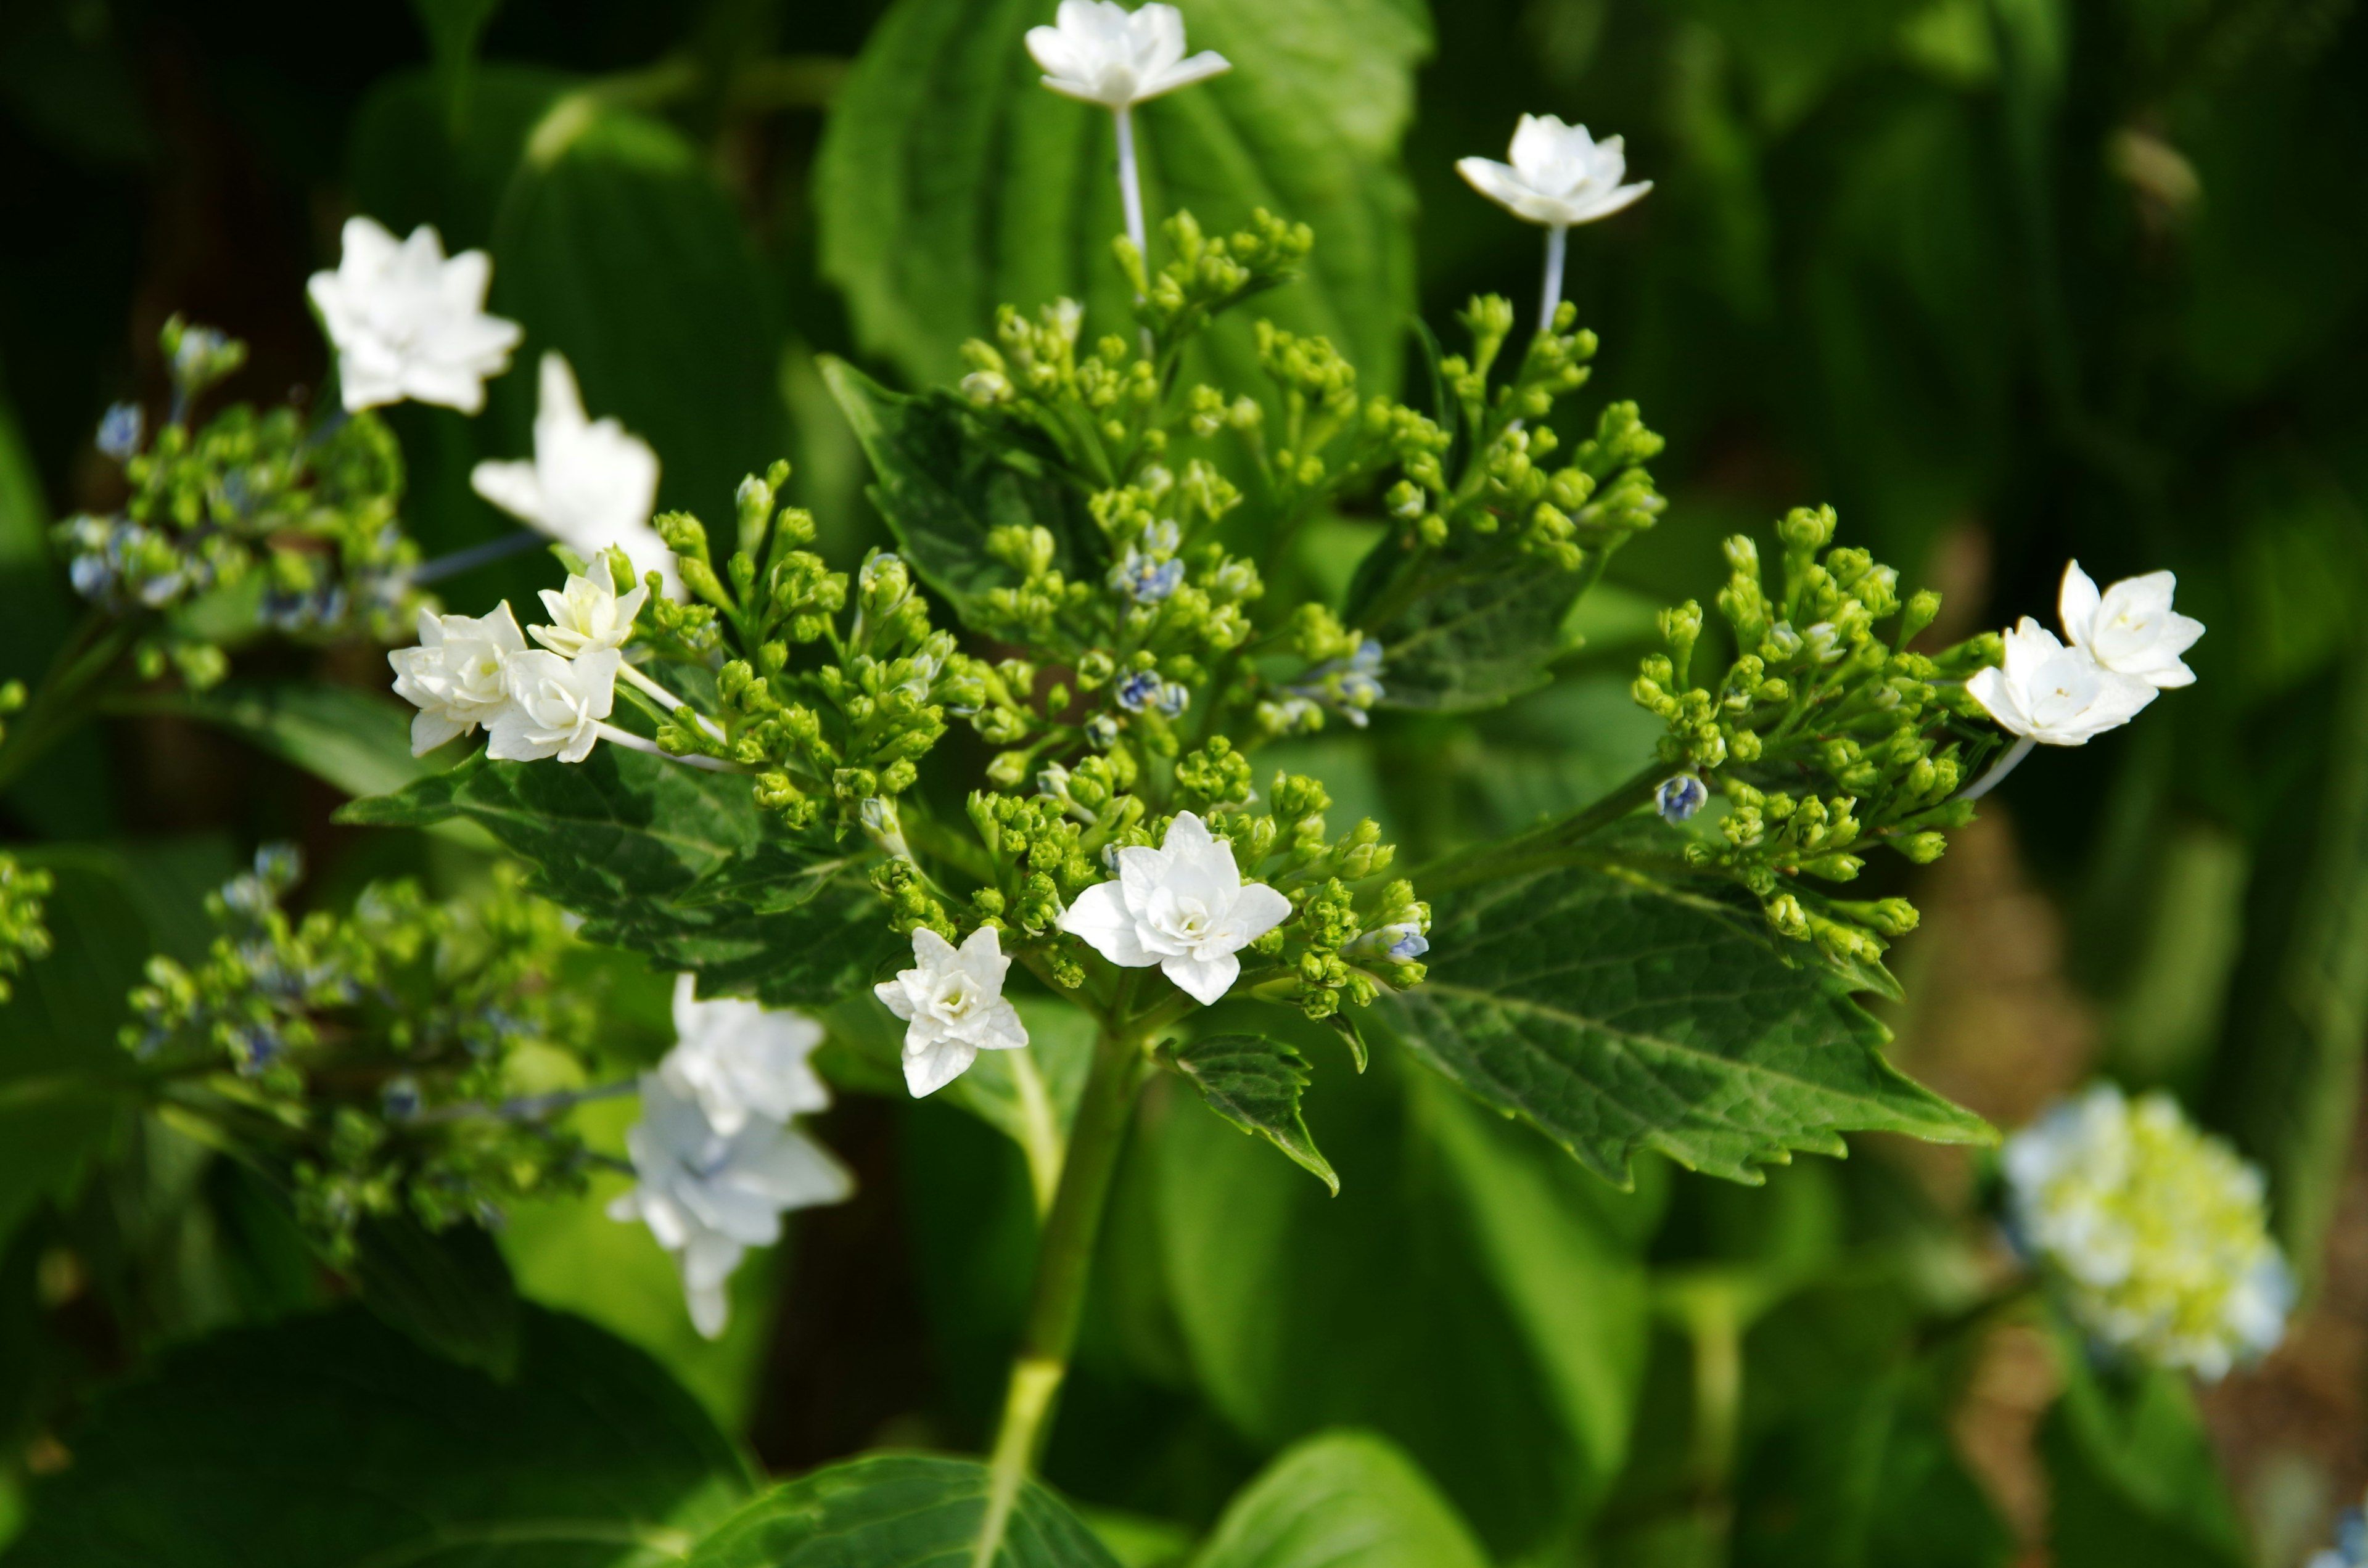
x=2006 y=281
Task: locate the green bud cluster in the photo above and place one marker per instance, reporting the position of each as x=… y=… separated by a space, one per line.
x=249 y=524
x=401 y=1058
x=23 y=938
x=1826 y=736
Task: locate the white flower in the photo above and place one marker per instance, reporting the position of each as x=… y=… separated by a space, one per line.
x=555 y=706
x=459 y=676
x=2055 y=695
x=408 y=324
x=2130 y=627
x=587 y=614
x=1559 y=176
x=2157 y=1234
x=1182 y=907
x=953 y=1007
x=741 y=1061
x=708 y=1195
x=591 y=484
x=1100 y=51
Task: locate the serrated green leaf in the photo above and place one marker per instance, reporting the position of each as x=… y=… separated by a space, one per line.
x=335 y=1442
x=638 y=846
x=1254 y=1083
x=450 y=1293
x=943 y=485
x=1341 y=1500
x=951 y=182
x=896 y=1511
x=1615 y=1014
x=1484 y=627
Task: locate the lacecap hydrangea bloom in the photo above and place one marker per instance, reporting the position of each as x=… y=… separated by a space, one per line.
x=2155 y=1233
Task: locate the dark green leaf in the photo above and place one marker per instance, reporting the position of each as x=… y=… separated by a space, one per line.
x=641 y=845
x=344 y=737
x=1483 y=631
x=2132 y=1479
x=1341 y=1500
x=943 y=485
x=951 y=182
x=896 y=1511
x=1255 y=1083
x=1615 y=1014
x=335 y=1442
x=453 y=27
x=451 y=1292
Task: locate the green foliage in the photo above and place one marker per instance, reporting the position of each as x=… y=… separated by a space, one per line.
x=951 y=182
x=449 y=1291
x=1614 y=1014
x=894 y=1511
x=2131 y=1473
x=23 y=938
x=1340 y=1500
x=1256 y=1084
x=334 y=1439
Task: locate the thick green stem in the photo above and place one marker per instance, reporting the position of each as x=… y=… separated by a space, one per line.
x=1064 y=1263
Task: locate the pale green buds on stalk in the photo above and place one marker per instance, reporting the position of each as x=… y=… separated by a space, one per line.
x=23 y=938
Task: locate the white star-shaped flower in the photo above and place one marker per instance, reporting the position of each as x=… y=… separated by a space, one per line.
x=953 y=1007
x=2130 y=627
x=741 y=1061
x=2055 y=695
x=588 y=614
x=1182 y=907
x=555 y=706
x=591 y=484
x=459 y=676
x=408 y=323
x=708 y=1195
x=1103 y=53
x=1559 y=176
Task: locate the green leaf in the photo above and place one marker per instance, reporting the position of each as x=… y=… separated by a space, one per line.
x=943 y=485
x=1254 y=1083
x=335 y=1442
x=1615 y=1014
x=449 y=1291
x=1341 y=1500
x=1484 y=628
x=358 y=743
x=671 y=861
x=453 y=27
x=1469 y=1293
x=2131 y=1474
x=949 y=180
x=896 y=1511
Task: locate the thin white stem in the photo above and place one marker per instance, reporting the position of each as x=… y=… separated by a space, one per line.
x=1999 y=769
x=660 y=693
x=632 y=742
x=1130 y=183
x=1550 y=296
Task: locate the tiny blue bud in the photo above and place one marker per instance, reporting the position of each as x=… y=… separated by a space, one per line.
x=121 y=429
x=1139 y=690
x=1102 y=731
x=1680 y=797
x=1173 y=698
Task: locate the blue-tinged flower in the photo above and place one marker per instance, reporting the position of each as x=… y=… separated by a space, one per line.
x=1347 y=687
x=2350 y=1548
x=1173 y=700
x=1146 y=579
x=1102 y=731
x=1680 y=797
x=1139 y=690
x=121 y=429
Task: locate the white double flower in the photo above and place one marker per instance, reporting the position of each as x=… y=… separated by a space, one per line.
x=2125 y=647
x=1104 y=55
x=408 y=323
x=1182 y=907
x=590 y=485
x=1559 y=175
x=532 y=702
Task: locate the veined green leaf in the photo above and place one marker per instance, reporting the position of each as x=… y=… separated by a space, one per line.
x=896 y=1511
x=1487 y=632
x=335 y=1442
x=1615 y=1014
x=450 y=1292
x=943 y=485
x=1254 y=1083
x=1341 y=1500
x=670 y=861
x=951 y=181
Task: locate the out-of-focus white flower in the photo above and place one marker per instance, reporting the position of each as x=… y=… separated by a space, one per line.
x=591 y=484
x=459 y=676
x=1103 y=53
x=555 y=706
x=708 y=1195
x=406 y=322
x=588 y=614
x=2130 y=627
x=1559 y=175
x=739 y=1059
x=2157 y=1234
x=2350 y=1548
x=953 y=1007
x=1182 y=907
x=2055 y=695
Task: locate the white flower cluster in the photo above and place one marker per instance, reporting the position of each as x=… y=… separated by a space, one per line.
x=716 y=1159
x=2157 y=1234
x=533 y=702
x=2124 y=647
